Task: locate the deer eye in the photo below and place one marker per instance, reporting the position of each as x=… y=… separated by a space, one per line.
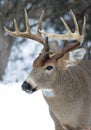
x=49 y=67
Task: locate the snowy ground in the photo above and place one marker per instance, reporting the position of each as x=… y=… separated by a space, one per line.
x=21 y=111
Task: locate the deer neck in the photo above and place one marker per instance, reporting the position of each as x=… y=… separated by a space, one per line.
x=67 y=88
x=55 y=89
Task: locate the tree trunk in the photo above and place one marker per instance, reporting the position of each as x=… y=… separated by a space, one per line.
x=5 y=46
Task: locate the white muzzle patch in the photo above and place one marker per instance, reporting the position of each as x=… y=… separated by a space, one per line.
x=32 y=82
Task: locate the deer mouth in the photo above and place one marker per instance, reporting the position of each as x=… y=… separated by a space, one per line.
x=28 y=87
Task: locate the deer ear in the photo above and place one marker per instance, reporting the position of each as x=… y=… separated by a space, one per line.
x=77 y=54
x=75 y=57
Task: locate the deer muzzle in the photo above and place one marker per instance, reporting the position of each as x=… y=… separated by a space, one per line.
x=28 y=88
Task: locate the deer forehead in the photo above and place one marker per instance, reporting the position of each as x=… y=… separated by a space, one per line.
x=43 y=64
x=50 y=62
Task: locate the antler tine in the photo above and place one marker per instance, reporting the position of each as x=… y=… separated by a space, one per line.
x=75 y=22
x=40 y=23
x=27 y=22
x=16 y=26
x=27 y=33
x=84 y=26
x=69 y=35
x=66 y=26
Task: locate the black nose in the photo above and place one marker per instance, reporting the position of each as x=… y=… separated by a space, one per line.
x=27 y=87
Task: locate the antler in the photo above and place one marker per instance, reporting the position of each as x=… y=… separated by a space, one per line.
x=65 y=50
x=27 y=33
x=69 y=35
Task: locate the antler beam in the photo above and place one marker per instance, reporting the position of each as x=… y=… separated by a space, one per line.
x=27 y=33
x=69 y=35
x=65 y=50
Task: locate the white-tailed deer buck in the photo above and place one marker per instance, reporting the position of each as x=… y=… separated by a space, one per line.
x=62 y=74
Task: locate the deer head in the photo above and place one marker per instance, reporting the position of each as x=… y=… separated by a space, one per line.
x=52 y=61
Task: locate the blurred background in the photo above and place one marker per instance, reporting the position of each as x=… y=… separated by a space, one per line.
x=17 y=54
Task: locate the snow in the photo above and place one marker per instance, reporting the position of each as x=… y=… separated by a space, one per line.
x=21 y=111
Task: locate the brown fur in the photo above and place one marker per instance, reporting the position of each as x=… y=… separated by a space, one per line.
x=72 y=103
x=70 y=108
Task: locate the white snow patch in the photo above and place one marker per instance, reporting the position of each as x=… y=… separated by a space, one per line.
x=21 y=111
